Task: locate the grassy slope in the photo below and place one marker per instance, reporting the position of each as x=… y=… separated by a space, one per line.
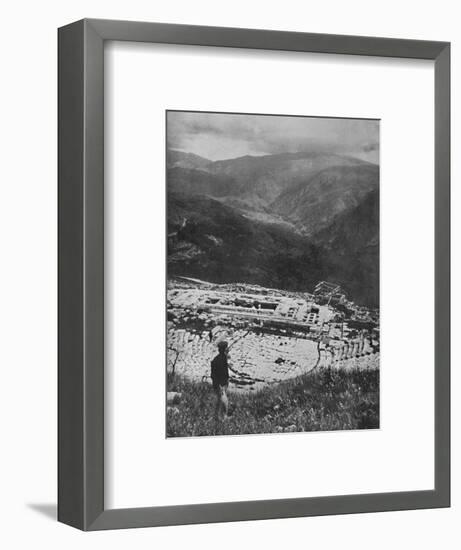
x=324 y=400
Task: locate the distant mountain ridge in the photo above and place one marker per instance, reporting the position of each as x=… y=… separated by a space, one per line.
x=181 y=159
x=255 y=181
x=314 y=203
x=301 y=216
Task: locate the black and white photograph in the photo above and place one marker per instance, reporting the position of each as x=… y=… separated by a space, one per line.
x=272 y=274
x=228 y=275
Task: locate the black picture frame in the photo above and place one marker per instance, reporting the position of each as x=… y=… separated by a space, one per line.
x=81 y=274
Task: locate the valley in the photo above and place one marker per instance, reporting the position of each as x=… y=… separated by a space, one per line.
x=284 y=221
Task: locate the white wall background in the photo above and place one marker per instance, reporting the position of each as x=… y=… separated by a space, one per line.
x=28 y=272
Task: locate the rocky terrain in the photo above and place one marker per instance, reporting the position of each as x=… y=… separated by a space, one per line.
x=267 y=345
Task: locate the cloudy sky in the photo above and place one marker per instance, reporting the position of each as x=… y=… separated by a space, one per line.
x=220 y=136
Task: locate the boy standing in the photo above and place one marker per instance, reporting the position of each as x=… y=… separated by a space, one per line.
x=220 y=378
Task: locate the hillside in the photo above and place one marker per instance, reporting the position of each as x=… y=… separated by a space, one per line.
x=322 y=222
x=264 y=178
x=180 y=159
x=319 y=400
x=351 y=245
x=252 y=182
x=199 y=182
x=214 y=242
x=315 y=202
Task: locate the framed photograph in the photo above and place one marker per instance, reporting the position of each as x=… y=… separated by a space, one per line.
x=254 y=281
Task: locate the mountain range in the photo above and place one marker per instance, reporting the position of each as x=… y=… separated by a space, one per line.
x=284 y=220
